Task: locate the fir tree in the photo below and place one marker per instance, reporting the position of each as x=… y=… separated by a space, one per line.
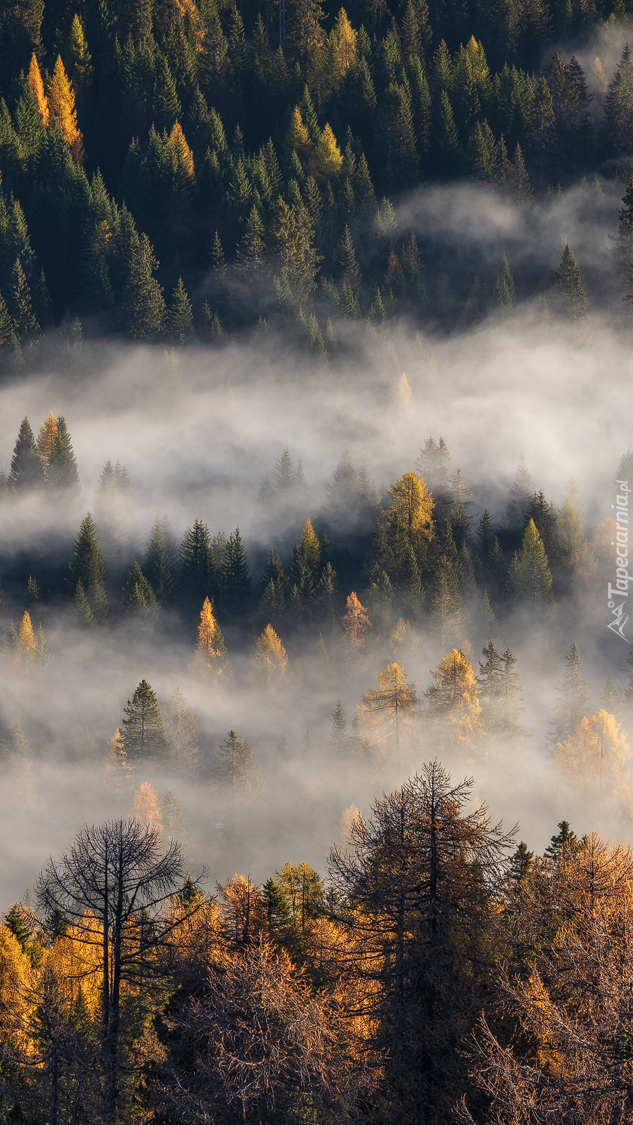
x=530 y=575
x=137 y=592
x=196 y=577
x=573 y=299
x=574 y=698
x=26 y=468
x=157 y=567
x=62 y=472
x=235 y=579
x=87 y=568
x=180 y=315
x=144 y=734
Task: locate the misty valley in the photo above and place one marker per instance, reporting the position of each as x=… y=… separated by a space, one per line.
x=316 y=655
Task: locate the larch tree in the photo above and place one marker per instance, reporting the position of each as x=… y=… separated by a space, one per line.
x=61 y=104
x=412 y=502
x=144 y=732
x=146 y=808
x=37 y=86
x=270 y=658
x=210 y=658
x=597 y=751
x=453 y=700
x=46 y=439
x=389 y=709
x=356 y=623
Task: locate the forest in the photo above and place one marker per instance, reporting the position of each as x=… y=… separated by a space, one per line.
x=182 y=172
x=316 y=786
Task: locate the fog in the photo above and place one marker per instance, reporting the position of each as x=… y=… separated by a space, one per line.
x=199 y=430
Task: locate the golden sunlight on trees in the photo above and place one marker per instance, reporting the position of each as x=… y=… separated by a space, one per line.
x=61 y=102
x=210 y=659
x=412 y=502
x=270 y=658
x=388 y=710
x=355 y=623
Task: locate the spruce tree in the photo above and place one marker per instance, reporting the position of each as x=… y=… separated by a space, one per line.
x=87 y=568
x=157 y=567
x=339 y=742
x=137 y=592
x=235 y=578
x=572 y=296
x=144 y=733
x=180 y=315
x=196 y=576
x=233 y=765
x=530 y=575
x=574 y=699
x=62 y=472
x=26 y=468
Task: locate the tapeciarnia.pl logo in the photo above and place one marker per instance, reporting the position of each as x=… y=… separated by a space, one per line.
x=617 y=595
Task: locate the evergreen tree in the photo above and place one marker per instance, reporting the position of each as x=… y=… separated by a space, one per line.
x=235 y=579
x=157 y=567
x=196 y=577
x=62 y=472
x=26 y=468
x=137 y=592
x=180 y=315
x=234 y=765
x=572 y=296
x=87 y=568
x=530 y=575
x=574 y=698
x=339 y=743
x=144 y=733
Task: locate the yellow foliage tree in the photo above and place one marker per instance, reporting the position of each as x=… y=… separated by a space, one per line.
x=297 y=138
x=78 y=963
x=182 y=153
x=346 y=44
x=16 y=981
x=453 y=699
x=46 y=438
x=26 y=649
x=37 y=86
x=270 y=656
x=61 y=102
x=146 y=807
x=355 y=623
x=210 y=650
x=326 y=160
x=118 y=769
x=405 y=394
x=413 y=503
x=389 y=708
x=598 y=748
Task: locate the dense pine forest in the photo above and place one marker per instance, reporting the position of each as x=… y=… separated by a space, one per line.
x=179 y=171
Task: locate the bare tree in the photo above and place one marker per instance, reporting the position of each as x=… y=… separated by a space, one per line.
x=418 y=883
x=116 y=873
x=260 y=1047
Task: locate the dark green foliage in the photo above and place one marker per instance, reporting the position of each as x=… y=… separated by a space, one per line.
x=137 y=592
x=62 y=470
x=235 y=579
x=87 y=569
x=144 y=734
x=157 y=566
x=196 y=573
x=26 y=468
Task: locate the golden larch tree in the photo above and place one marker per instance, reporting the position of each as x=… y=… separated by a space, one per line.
x=37 y=86
x=355 y=623
x=118 y=769
x=46 y=438
x=390 y=707
x=26 y=649
x=270 y=657
x=61 y=102
x=210 y=657
x=146 y=807
x=326 y=160
x=182 y=153
x=297 y=138
x=412 y=502
x=453 y=698
x=598 y=749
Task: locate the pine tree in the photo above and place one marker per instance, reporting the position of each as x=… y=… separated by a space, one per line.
x=235 y=582
x=26 y=471
x=234 y=765
x=144 y=734
x=180 y=315
x=530 y=575
x=572 y=296
x=62 y=473
x=196 y=578
x=87 y=567
x=137 y=592
x=571 y=707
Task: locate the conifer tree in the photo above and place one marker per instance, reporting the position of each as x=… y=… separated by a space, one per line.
x=571 y=706
x=339 y=742
x=530 y=575
x=355 y=623
x=87 y=567
x=37 y=86
x=46 y=439
x=235 y=579
x=144 y=734
x=78 y=59
x=499 y=692
x=573 y=299
x=137 y=592
x=62 y=472
x=24 y=318
x=453 y=700
x=210 y=658
x=180 y=315
x=196 y=578
x=234 y=765
x=26 y=468
x=182 y=729
x=157 y=567
x=270 y=657
x=389 y=709
x=61 y=104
